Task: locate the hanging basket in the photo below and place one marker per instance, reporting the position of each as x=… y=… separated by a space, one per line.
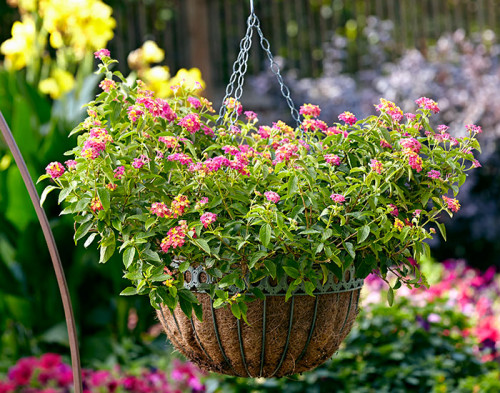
x=281 y=337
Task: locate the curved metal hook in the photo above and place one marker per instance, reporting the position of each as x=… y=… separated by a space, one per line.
x=54 y=253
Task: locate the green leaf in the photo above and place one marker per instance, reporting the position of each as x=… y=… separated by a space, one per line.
x=108 y=246
x=293 y=185
x=64 y=194
x=256 y=257
x=310 y=287
x=319 y=248
x=390 y=296
x=365 y=266
x=129 y=291
x=184 y=266
x=228 y=280
x=202 y=244
x=442 y=229
x=151 y=256
x=128 y=256
x=350 y=249
x=265 y=234
x=89 y=240
x=46 y=192
x=235 y=309
x=103 y=194
x=198 y=311
x=188 y=295
x=186 y=307
x=258 y=293
x=363 y=233
x=324 y=269
x=271 y=267
x=83 y=230
x=291 y=271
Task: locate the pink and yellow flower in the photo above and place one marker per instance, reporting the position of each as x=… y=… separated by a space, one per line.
x=55 y=169
x=272 y=196
x=208 y=218
x=338 y=198
x=310 y=110
x=451 y=203
x=348 y=118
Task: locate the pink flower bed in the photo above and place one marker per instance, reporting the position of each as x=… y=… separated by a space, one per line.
x=475 y=294
x=48 y=374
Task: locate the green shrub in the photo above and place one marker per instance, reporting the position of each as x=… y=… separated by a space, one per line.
x=402 y=349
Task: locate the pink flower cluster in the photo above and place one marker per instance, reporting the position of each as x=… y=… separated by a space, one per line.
x=433 y=174
x=175 y=237
x=181 y=158
x=391 y=109
x=210 y=165
x=233 y=104
x=415 y=161
x=48 y=374
x=96 y=143
x=410 y=144
x=385 y=144
x=310 y=110
x=251 y=116
x=55 y=169
x=134 y=112
x=119 y=172
x=332 y=159
x=191 y=123
x=194 y=102
x=139 y=162
x=312 y=125
x=160 y=209
x=272 y=196
x=101 y=53
x=156 y=107
x=473 y=129
x=203 y=201
x=451 y=204
x=208 y=218
x=376 y=166
x=427 y=103
x=338 y=198
x=286 y=152
x=348 y=118
x=107 y=85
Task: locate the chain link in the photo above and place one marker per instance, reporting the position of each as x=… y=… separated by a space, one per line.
x=235 y=86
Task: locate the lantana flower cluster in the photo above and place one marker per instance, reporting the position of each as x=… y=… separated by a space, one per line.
x=170 y=185
x=49 y=374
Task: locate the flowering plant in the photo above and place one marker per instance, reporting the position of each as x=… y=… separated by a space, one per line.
x=49 y=374
x=160 y=180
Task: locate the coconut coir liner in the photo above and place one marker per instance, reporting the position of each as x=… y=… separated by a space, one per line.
x=334 y=321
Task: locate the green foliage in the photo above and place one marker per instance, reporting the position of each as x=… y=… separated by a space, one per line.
x=31 y=314
x=393 y=350
x=149 y=176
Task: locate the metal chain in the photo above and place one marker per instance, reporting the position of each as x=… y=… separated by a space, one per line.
x=235 y=86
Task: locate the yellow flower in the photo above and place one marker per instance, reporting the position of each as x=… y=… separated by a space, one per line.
x=157 y=79
x=18 y=50
x=188 y=78
x=152 y=53
x=59 y=83
x=23 y=5
x=398 y=224
x=83 y=25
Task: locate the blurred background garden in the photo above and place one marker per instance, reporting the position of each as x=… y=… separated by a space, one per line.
x=340 y=54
